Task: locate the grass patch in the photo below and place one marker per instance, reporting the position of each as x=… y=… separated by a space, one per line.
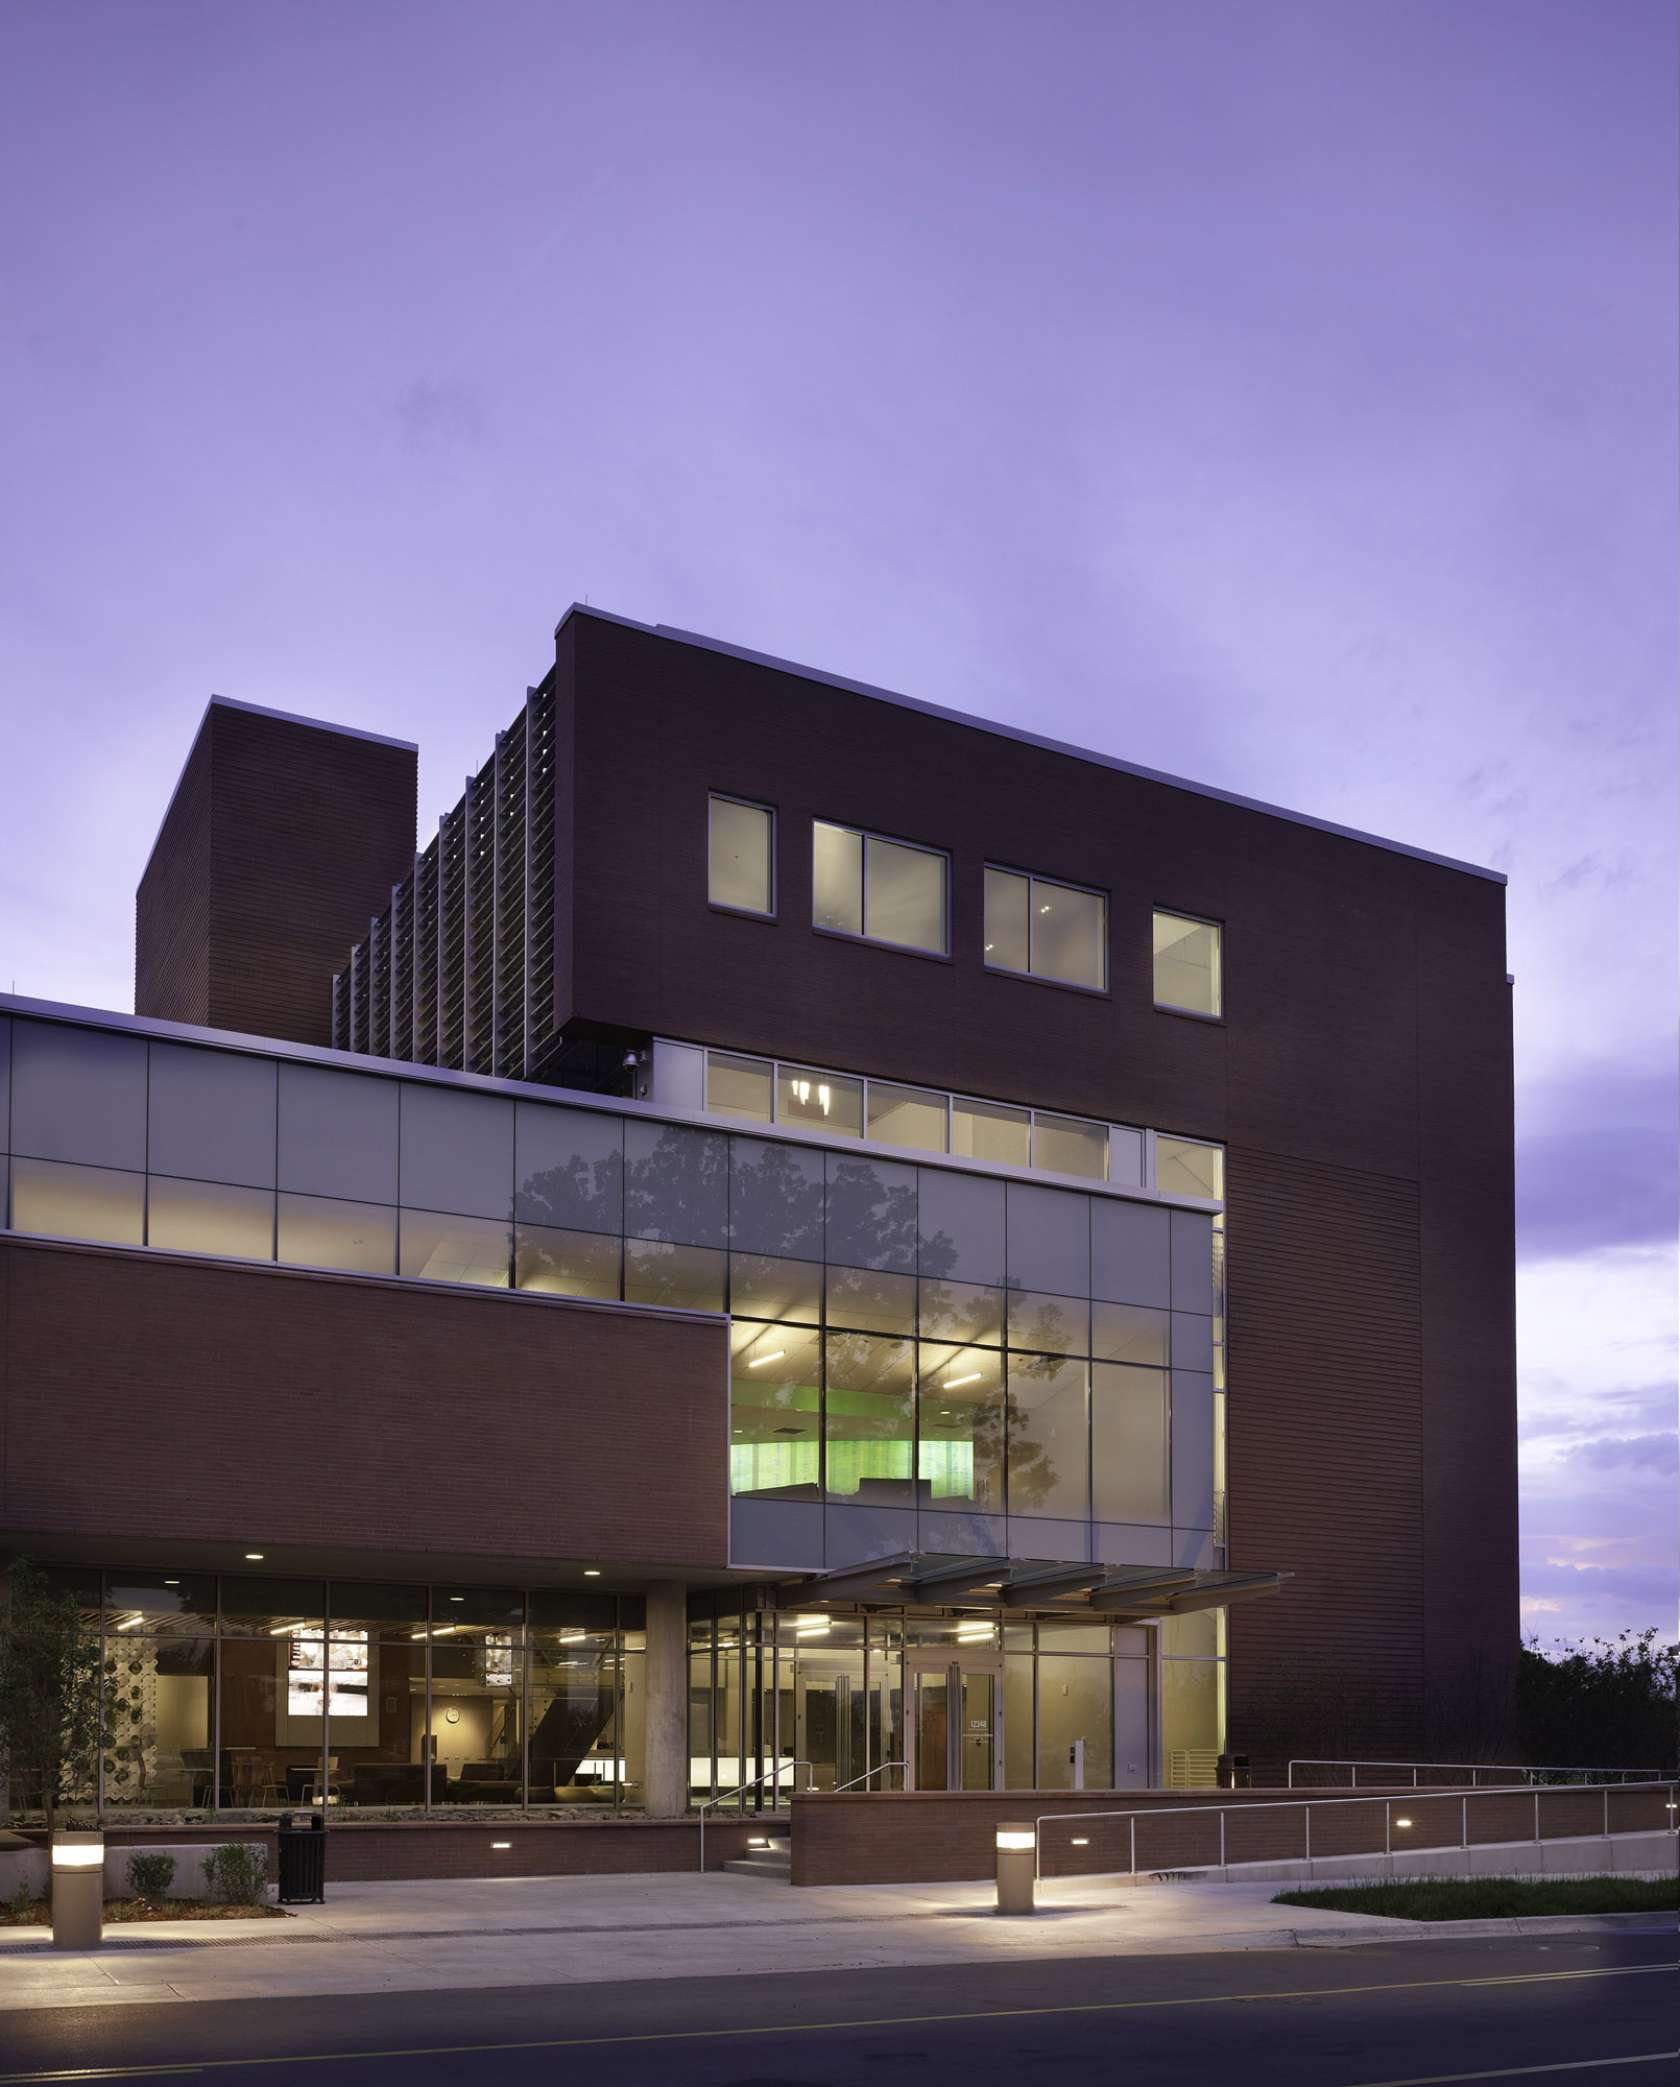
x=1492 y=1898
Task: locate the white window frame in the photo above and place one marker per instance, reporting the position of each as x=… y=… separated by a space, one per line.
x=1200 y=920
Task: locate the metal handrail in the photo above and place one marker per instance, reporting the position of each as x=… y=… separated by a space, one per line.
x=1522 y=1768
x=1276 y=1804
x=723 y=1797
x=879 y=1769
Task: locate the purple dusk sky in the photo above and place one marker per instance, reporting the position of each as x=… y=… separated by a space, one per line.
x=1280 y=394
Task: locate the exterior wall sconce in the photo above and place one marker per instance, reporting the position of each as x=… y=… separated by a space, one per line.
x=78 y=1890
x=1017 y=1865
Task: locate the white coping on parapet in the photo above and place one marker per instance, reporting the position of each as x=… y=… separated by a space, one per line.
x=284 y=717
x=569 y=1098
x=1038 y=739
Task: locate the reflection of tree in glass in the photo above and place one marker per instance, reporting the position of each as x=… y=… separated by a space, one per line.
x=776 y=1204
x=677 y=1187
x=871 y=1213
x=684 y=1278
x=1047 y=1328
x=582 y=1194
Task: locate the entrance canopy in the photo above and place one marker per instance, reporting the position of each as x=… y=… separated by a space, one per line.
x=1003 y=1584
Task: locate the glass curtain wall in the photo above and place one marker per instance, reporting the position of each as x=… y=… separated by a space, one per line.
x=252 y=1694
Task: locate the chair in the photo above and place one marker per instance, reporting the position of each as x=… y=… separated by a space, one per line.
x=198 y=1762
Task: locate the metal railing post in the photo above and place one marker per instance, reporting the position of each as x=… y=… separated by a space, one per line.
x=1388 y=1827
x=1222 y=1837
x=1607 y=1811
x=1134 y=1847
x=1537 y=1813
x=1306 y=1813
x=1464 y=1836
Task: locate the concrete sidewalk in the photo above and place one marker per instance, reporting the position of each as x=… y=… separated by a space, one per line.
x=549 y=1931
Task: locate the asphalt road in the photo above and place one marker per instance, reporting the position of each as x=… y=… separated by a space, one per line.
x=1570 y=2011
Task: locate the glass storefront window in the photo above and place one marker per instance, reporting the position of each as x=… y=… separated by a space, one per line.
x=1048 y=1437
x=740 y=1086
x=566 y=1264
x=869 y=1412
x=374 y=1660
x=775 y=1411
x=160 y=1605
x=61 y=1201
x=321 y=1232
x=908 y=1116
x=1187 y=964
x=741 y=855
x=210 y=1217
x=1075 y=1702
x=159 y=1754
x=272 y=1718
x=821 y=1100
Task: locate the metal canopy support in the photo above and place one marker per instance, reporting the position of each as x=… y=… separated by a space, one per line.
x=1022 y=1590
x=1240 y=1587
x=1070 y=1590
x=1148 y=1592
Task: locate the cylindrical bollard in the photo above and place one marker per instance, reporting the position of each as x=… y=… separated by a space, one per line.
x=78 y=1890
x=1017 y=1862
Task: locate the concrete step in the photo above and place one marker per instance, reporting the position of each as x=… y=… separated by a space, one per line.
x=775 y=1859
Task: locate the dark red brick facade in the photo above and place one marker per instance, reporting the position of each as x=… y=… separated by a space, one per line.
x=282 y=841
x=179 y=1410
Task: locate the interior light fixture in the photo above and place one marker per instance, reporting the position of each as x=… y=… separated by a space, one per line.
x=132 y=1622
x=438 y=1630
x=758 y=1361
x=951 y=1383
x=1045 y=907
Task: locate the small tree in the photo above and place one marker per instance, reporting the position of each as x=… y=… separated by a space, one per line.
x=54 y=1698
x=1610 y=1703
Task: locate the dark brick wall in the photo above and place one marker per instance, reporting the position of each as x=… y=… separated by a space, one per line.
x=147 y=1402
x=1362 y=1081
x=937 y=1837
x=281 y=845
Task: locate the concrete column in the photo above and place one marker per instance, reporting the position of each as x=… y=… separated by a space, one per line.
x=665 y=1770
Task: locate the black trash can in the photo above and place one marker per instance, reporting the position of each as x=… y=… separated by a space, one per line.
x=1233 y=1771
x=303 y=1861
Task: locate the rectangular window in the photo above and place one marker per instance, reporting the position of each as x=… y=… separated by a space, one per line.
x=1064 y=1145
x=1183 y=1168
x=823 y=1100
x=959 y=1453
x=740 y=1086
x=1187 y=964
x=869 y=1419
x=988 y=1131
x=742 y=844
x=887 y=891
x=66 y=1202
x=1046 y=929
x=908 y=1116
x=323 y=1232
x=440 y=1249
x=563 y=1263
x=775 y=1411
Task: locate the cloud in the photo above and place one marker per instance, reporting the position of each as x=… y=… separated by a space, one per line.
x=1656 y=1455
x=1595 y=1159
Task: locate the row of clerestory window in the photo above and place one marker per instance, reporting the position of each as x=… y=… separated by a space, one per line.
x=897 y=893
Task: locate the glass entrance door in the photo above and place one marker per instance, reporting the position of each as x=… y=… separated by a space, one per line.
x=831 y=1732
x=958 y=1739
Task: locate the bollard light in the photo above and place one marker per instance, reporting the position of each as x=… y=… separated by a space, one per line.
x=78 y=1890
x=1402 y=1822
x=1017 y=1863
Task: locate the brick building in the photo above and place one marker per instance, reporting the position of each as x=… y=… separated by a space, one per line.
x=800 y=1228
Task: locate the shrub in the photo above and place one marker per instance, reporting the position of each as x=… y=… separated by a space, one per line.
x=150 y=1876
x=21 y=1905
x=236 y=1874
